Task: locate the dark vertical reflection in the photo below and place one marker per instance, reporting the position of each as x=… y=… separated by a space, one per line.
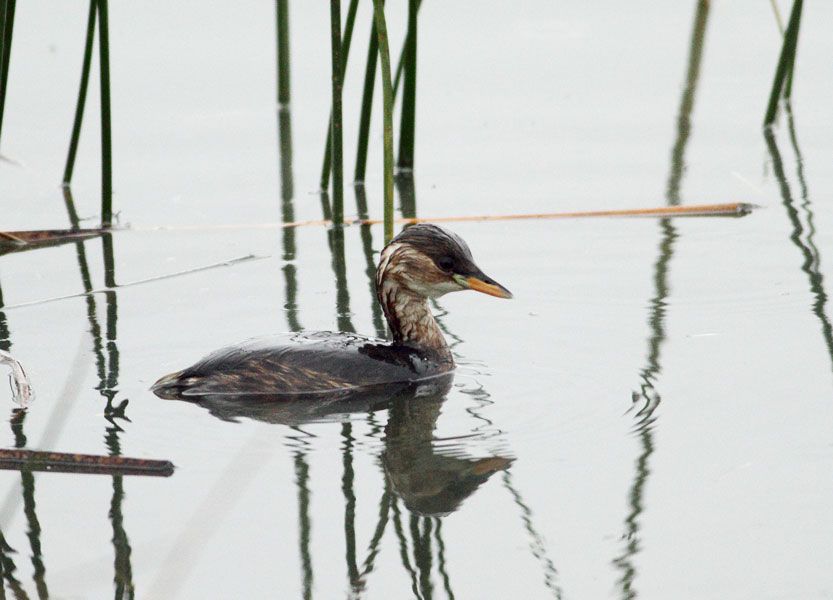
x=304 y=525
x=381 y=524
x=347 y=480
x=441 y=566
x=27 y=484
x=7 y=569
x=5 y=344
x=123 y=578
x=335 y=237
x=536 y=540
x=344 y=323
x=108 y=387
x=403 y=547
x=288 y=216
x=803 y=228
x=369 y=259
x=106 y=352
x=423 y=553
x=407 y=194
x=290 y=275
x=648 y=398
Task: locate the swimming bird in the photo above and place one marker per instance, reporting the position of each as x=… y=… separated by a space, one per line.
x=421 y=263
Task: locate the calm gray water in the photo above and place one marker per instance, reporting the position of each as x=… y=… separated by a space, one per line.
x=663 y=389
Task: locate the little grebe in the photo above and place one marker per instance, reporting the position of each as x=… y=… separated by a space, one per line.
x=423 y=261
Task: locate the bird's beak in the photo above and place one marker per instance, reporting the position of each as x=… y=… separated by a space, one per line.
x=480 y=282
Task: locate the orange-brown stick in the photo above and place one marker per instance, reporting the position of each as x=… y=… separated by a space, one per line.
x=733 y=209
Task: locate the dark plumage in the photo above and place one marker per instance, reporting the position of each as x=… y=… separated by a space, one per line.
x=424 y=261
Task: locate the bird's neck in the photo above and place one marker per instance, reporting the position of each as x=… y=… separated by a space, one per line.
x=410 y=319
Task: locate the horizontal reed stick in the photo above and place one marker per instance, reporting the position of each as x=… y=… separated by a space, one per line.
x=733 y=209
x=62 y=462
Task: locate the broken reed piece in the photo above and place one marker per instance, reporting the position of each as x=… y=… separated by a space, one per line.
x=11 y=237
x=48 y=236
x=95 y=464
x=57 y=236
x=732 y=209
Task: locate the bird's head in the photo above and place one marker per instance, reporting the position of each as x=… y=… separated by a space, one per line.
x=430 y=261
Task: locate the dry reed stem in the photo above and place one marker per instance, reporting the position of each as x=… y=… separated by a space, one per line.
x=734 y=209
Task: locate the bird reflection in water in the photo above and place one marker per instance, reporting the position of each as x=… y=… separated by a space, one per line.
x=431 y=479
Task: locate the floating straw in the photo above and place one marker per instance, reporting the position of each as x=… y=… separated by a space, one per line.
x=735 y=209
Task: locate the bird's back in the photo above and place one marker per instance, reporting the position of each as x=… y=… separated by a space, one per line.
x=302 y=364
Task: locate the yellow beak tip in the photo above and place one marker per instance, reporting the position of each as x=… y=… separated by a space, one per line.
x=491 y=289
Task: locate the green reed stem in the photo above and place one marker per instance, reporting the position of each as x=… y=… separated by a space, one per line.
x=400 y=65
x=387 y=106
x=408 y=117
x=367 y=105
x=282 y=28
x=786 y=62
x=7 y=24
x=326 y=167
x=106 y=139
x=82 y=95
x=335 y=118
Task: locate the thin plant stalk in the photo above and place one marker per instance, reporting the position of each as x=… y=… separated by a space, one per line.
x=400 y=65
x=284 y=120
x=407 y=123
x=335 y=119
x=367 y=106
x=82 y=95
x=106 y=139
x=786 y=63
x=387 y=110
x=7 y=24
x=282 y=22
x=326 y=167
x=367 y=96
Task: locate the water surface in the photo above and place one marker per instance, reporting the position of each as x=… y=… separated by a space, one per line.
x=656 y=402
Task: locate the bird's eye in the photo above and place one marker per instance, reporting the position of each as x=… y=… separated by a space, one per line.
x=445 y=263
